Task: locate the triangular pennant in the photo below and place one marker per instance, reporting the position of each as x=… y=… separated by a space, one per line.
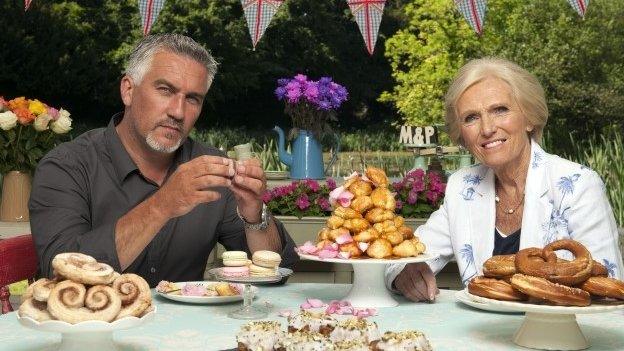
x=580 y=6
x=474 y=12
x=149 y=10
x=368 y=14
x=258 y=14
x=27 y=4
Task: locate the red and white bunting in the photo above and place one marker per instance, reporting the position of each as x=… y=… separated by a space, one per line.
x=149 y=10
x=474 y=13
x=27 y=4
x=368 y=14
x=258 y=14
x=580 y=6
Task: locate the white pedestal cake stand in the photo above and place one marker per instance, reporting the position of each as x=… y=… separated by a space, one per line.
x=548 y=327
x=369 y=287
x=89 y=335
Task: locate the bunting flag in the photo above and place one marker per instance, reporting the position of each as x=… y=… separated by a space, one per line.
x=580 y=6
x=27 y=5
x=368 y=15
x=149 y=12
x=474 y=13
x=258 y=14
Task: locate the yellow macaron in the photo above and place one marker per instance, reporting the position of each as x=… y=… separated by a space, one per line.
x=234 y=258
x=259 y=271
x=268 y=259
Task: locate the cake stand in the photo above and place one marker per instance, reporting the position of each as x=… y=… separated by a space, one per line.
x=548 y=327
x=248 y=311
x=369 y=284
x=88 y=335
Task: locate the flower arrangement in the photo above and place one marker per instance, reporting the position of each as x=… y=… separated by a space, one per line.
x=304 y=198
x=418 y=193
x=29 y=128
x=311 y=104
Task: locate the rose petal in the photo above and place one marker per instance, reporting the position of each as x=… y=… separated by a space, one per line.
x=331 y=309
x=344 y=255
x=334 y=246
x=327 y=253
x=363 y=246
x=352 y=175
x=316 y=303
x=344 y=238
x=305 y=306
x=285 y=313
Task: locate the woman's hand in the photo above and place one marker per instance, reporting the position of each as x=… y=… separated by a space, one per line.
x=417 y=282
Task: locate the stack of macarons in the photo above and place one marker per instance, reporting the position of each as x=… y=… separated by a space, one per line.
x=265 y=263
x=236 y=264
x=262 y=264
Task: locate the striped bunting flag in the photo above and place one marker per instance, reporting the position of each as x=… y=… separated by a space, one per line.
x=149 y=12
x=474 y=12
x=580 y=6
x=27 y=4
x=368 y=15
x=258 y=14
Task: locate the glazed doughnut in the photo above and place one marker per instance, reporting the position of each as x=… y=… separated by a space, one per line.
x=134 y=293
x=356 y=225
x=70 y=302
x=405 y=249
x=41 y=289
x=34 y=309
x=83 y=269
x=549 y=292
x=334 y=222
x=378 y=215
x=352 y=248
x=499 y=266
x=362 y=203
x=367 y=235
x=569 y=272
x=383 y=198
x=346 y=213
x=407 y=232
x=395 y=238
x=494 y=289
x=604 y=287
x=360 y=188
x=377 y=176
x=380 y=248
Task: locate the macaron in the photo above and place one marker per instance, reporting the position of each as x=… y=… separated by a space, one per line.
x=234 y=258
x=229 y=272
x=259 y=271
x=268 y=259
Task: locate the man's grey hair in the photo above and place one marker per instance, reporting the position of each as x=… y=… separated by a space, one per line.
x=140 y=58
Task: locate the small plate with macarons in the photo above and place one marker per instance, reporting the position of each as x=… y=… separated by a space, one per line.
x=203 y=292
x=262 y=268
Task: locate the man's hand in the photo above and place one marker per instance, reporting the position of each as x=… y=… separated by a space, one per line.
x=193 y=183
x=417 y=282
x=248 y=185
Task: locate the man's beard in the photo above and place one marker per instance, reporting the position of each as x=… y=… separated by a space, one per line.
x=158 y=147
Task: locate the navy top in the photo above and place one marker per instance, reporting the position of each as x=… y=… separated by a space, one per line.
x=506 y=245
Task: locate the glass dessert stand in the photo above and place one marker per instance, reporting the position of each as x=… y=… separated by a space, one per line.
x=546 y=327
x=248 y=311
x=369 y=286
x=88 y=335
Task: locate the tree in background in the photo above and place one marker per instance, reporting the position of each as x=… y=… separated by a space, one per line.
x=579 y=62
x=72 y=53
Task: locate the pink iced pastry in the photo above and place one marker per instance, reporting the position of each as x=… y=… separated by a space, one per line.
x=193 y=290
x=242 y=271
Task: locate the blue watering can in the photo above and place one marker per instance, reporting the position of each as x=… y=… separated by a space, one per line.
x=306 y=159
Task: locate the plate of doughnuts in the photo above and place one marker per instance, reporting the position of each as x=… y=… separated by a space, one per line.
x=202 y=292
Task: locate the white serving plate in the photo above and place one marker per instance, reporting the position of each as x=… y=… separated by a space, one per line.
x=205 y=299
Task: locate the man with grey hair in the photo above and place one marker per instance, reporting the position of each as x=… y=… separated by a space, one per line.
x=142 y=196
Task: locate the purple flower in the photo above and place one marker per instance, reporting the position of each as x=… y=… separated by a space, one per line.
x=301 y=77
x=303 y=202
x=311 y=92
x=313 y=185
x=418 y=185
x=280 y=92
x=399 y=204
x=266 y=197
x=324 y=203
x=397 y=186
x=412 y=197
x=432 y=196
x=331 y=184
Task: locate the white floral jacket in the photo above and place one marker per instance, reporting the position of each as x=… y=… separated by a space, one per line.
x=562 y=200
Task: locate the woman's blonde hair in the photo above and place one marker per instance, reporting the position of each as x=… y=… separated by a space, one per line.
x=525 y=89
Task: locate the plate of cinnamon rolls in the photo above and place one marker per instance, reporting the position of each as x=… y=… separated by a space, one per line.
x=537 y=279
x=85 y=294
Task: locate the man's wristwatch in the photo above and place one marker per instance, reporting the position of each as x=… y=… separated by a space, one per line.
x=264 y=220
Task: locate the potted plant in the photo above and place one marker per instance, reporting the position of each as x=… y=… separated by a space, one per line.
x=28 y=129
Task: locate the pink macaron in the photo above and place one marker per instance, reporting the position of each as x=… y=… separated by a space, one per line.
x=242 y=271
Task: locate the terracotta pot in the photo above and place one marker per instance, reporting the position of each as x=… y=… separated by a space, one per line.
x=15 y=193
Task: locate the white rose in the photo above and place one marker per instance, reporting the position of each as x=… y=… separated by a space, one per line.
x=41 y=122
x=8 y=120
x=63 y=124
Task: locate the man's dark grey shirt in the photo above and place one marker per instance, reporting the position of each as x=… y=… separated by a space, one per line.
x=81 y=189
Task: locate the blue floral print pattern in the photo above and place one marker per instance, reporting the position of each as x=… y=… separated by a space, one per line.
x=558 y=221
x=468 y=258
x=468 y=191
x=537 y=159
x=611 y=266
